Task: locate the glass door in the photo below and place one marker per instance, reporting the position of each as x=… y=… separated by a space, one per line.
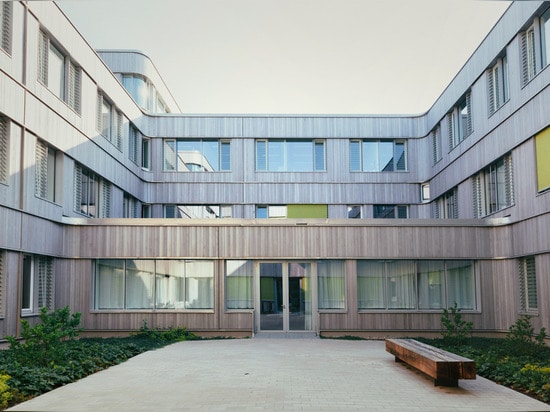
x=285 y=302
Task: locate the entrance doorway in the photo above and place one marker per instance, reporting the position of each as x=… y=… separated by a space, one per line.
x=285 y=296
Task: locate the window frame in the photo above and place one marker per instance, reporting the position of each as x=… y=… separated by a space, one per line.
x=263 y=154
x=460 y=125
x=492 y=184
x=528 y=289
x=497 y=84
x=70 y=84
x=398 y=211
x=171 y=161
x=357 y=155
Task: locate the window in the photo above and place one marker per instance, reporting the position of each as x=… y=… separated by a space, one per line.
x=144 y=93
x=197 y=155
x=3 y=276
x=59 y=73
x=45 y=171
x=493 y=187
x=411 y=285
x=446 y=206
x=436 y=145
x=197 y=211
x=497 y=84
x=45 y=282
x=459 y=121
x=6 y=10
x=238 y=284
x=27 y=284
x=331 y=284
x=542 y=144
x=92 y=195
x=528 y=55
x=109 y=121
x=153 y=284
x=130 y=206
x=371 y=155
x=146 y=211
x=545 y=37
x=4 y=149
x=354 y=212
x=390 y=211
x=145 y=153
x=133 y=144
x=291 y=211
x=528 y=284
x=300 y=155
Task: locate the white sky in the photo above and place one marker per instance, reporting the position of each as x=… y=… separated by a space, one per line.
x=295 y=56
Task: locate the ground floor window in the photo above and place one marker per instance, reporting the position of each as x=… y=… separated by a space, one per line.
x=154 y=284
x=409 y=284
x=331 y=284
x=238 y=284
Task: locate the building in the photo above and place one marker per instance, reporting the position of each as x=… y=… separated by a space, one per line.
x=115 y=204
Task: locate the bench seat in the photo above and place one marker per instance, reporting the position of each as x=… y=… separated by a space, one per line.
x=444 y=367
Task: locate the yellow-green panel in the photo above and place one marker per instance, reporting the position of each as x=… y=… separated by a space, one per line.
x=543 y=159
x=307 y=211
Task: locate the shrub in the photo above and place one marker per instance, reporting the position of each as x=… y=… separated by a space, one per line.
x=42 y=342
x=6 y=393
x=521 y=337
x=455 y=329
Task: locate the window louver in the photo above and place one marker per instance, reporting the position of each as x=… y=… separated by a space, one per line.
x=4 y=149
x=43 y=48
x=5 y=21
x=45 y=282
x=77 y=188
x=41 y=172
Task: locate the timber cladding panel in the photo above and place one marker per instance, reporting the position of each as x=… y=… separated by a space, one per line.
x=289 y=238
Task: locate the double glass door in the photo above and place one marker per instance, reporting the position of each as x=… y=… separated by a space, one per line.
x=285 y=296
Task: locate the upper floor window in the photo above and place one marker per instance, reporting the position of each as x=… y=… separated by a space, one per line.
x=446 y=205
x=144 y=93
x=197 y=211
x=197 y=155
x=535 y=47
x=436 y=145
x=45 y=171
x=109 y=121
x=545 y=37
x=92 y=194
x=390 y=212
x=296 y=155
x=58 y=72
x=542 y=145
x=146 y=153
x=4 y=149
x=493 y=187
x=130 y=206
x=373 y=155
x=459 y=121
x=497 y=84
x=6 y=10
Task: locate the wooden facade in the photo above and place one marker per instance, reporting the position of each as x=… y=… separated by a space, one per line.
x=495 y=241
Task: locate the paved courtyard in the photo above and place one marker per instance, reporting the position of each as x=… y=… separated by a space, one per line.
x=273 y=374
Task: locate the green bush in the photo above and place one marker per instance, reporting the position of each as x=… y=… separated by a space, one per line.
x=521 y=337
x=455 y=329
x=42 y=343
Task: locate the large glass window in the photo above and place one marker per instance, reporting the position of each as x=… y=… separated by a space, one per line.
x=197 y=211
x=238 y=284
x=197 y=155
x=331 y=284
x=390 y=211
x=371 y=155
x=300 y=155
x=408 y=284
x=154 y=284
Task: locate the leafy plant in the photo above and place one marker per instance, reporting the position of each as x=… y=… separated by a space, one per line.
x=521 y=336
x=42 y=342
x=455 y=329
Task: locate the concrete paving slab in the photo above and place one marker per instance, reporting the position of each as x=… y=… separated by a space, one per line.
x=273 y=374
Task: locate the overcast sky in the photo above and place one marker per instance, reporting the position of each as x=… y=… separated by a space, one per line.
x=295 y=56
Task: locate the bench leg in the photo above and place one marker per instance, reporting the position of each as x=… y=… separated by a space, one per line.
x=446 y=382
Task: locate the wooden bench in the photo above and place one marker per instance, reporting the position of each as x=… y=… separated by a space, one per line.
x=445 y=367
